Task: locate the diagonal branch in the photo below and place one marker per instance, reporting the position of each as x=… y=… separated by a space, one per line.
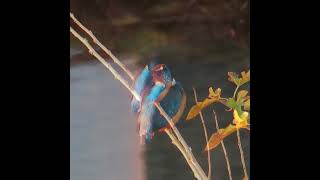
x=205 y=133
x=183 y=143
x=95 y=40
x=190 y=158
x=176 y=142
x=223 y=147
x=104 y=62
x=242 y=156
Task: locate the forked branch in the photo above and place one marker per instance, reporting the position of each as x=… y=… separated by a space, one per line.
x=95 y=40
x=194 y=165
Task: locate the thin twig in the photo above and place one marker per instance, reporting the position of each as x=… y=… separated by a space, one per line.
x=183 y=143
x=104 y=62
x=223 y=147
x=198 y=171
x=176 y=142
x=95 y=40
x=235 y=91
x=205 y=133
x=242 y=155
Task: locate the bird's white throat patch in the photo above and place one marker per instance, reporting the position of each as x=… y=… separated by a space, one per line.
x=160 y=83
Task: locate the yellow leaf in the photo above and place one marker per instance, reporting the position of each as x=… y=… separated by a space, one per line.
x=214 y=96
x=217 y=137
x=195 y=109
x=246 y=105
x=240 y=122
x=234 y=77
x=211 y=92
x=245 y=77
x=241 y=95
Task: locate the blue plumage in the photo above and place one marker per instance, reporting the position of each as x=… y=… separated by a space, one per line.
x=173 y=104
x=148 y=110
x=142 y=81
x=142 y=84
x=162 y=89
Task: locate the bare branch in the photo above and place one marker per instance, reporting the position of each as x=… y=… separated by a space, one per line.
x=194 y=165
x=223 y=147
x=105 y=63
x=205 y=133
x=183 y=143
x=95 y=40
x=242 y=155
x=176 y=142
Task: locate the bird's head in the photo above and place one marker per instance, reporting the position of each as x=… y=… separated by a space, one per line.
x=152 y=64
x=161 y=73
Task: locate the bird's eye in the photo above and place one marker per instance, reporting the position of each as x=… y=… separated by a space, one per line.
x=158 y=67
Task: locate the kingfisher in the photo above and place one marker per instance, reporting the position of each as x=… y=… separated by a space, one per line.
x=164 y=90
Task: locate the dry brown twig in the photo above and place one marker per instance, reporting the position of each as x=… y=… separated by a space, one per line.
x=223 y=147
x=176 y=142
x=104 y=62
x=205 y=133
x=194 y=165
x=242 y=156
x=95 y=40
x=183 y=143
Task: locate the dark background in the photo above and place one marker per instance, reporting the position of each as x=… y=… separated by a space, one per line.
x=197 y=29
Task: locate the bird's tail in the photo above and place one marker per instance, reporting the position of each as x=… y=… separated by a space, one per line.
x=146 y=138
x=145 y=129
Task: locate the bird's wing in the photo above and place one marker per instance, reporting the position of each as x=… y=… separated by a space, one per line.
x=174 y=104
x=141 y=83
x=146 y=115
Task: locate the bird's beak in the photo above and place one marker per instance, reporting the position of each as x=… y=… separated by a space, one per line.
x=158 y=67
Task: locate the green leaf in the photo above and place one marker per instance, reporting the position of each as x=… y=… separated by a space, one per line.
x=231 y=103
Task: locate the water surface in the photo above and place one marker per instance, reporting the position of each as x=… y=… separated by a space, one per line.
x=104 y=140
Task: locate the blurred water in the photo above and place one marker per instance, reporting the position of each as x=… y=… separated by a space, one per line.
x=104 y=141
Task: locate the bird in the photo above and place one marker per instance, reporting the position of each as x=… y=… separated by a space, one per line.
x=169 y=94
